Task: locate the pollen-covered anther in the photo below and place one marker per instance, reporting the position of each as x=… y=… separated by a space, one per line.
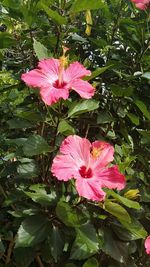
x=96 y=152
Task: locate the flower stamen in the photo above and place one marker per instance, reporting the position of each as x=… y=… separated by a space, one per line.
x=63 y=60
x=96 y=152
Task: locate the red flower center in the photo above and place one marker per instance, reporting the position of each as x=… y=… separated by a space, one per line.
x=85 y=173
x=59 y=85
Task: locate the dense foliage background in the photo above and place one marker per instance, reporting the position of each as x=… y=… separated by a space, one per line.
x=42 y=221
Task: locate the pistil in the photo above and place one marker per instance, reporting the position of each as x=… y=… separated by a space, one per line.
x=63 y=60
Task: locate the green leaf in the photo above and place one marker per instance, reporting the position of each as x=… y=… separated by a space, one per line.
x=32 y=231
x=146 y=75
x=140 y=104
x=40 y=195
x=118 y=250
x=56 y=243
x=35 y=145
x=133 y=118
x=85 y=244
x=70 y=216
x=127 y=202
x=144 y=133
x=40 y=50
x=145 y=194
x=120 y=91
x=78 y=38
x=18 y=123
x=116 y=210
x=104 y=117
x=79 y=5
x=82 y=106
x=136 y=228
x=122 y=233
x=16 y=142
x=65 y=128
x=53 y=15
x=6 y=40
x=14 y=4
x=27 y=169
x=27 y=254
x=97 y=72
x=24 y=212
x=31 y=115
x=92 y=262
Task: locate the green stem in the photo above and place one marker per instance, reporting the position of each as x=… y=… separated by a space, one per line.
x=54 y=140
x=50 y=116
x=115 y=27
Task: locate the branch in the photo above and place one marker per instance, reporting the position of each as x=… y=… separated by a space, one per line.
x=9 y=251
x=39 y=262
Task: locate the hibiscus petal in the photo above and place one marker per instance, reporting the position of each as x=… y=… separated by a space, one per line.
x=64 y=167
x=75 y=71
x=50 y=66
x=147 y=245
x=90 y=189
x=102 y=154
x=111 y=178
x=141 y=4
x=51 y=95
x=78 y=148
x=35 y=78
x=83 y=88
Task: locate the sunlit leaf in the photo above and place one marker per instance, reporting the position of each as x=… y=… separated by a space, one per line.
x=40 y=50
x=82 y=106
x=85 y=244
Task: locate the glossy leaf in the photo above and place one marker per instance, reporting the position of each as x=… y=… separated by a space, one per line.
x=97 y=72
x=39 y=195
x=104 y=117
x=134 y=118
x=56 y=243
x=54 y=15
x=40 y=50
x=65 y=128
x=136 y=228
x=146 y=75
x=121 y=91
x=143 y=108
x=78 y=5
x=127 y=202
x=82 y=106
x=18 y=123
x=27 y=169
x=85 y=244
x=118 y=250
x=32 y=231
x=117 y=211
x=35 y=145
x=91 y=262
x=70 y=216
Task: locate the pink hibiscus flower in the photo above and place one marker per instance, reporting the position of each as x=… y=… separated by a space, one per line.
x=87 y=164
x=141 y=4
x=147 y=245
x=55 y=81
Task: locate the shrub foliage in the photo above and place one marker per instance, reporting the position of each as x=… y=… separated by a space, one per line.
x=43 y=222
